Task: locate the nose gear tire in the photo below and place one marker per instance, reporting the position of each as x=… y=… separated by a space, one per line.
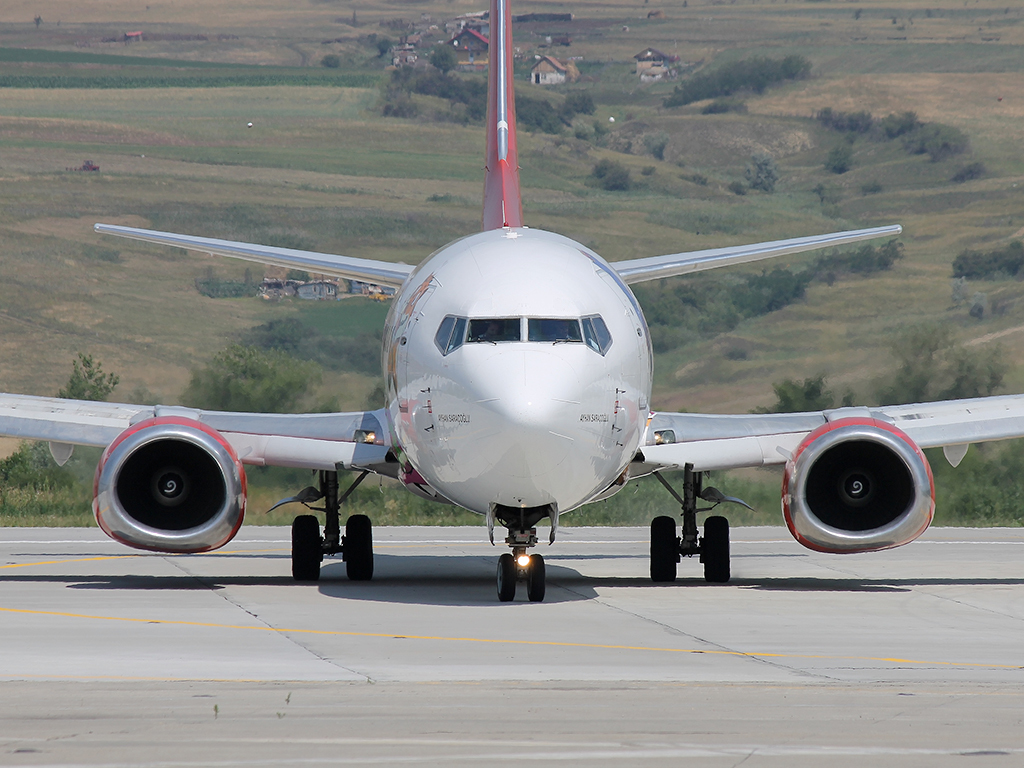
x=506 y=578
x=535 y=578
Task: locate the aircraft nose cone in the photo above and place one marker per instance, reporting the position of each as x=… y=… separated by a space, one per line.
x=531 y=396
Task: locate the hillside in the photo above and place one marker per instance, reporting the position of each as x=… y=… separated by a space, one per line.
x=321 y=168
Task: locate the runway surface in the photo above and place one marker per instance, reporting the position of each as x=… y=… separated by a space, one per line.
x=909 y=657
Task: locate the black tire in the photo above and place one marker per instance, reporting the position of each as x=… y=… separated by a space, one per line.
x=535 y=578
x=506 y=578
x=307 y=549
x=714 y=550
x=358 y=550
x=664 y=549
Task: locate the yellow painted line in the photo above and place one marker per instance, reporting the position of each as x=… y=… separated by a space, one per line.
x=502 y=641
x=61 y=562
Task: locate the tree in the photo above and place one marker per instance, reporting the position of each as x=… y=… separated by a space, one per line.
x=762 y=173
x=932 y=366
x=87 y=380
x=839 y=159
x=38 y=20
x=383 y=45
x=793 y=396
x=249 y=379
x=612 y=176
x=331 y=61
x=656 y=144
x=444 y=58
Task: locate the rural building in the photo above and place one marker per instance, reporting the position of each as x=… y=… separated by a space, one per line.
x=471 y=49
x=652 y=64
x=547 y=71
x=274 y=288
x=404 y=55
x=318 y=289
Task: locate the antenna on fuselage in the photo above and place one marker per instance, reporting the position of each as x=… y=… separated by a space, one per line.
x=503 y=206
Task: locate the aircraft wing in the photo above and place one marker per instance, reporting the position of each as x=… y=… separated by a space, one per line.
x=655 y=267
x=368 y=270
x=711 y=442
x=328 y=441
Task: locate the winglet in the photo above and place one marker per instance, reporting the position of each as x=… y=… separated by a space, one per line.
x=503 y=206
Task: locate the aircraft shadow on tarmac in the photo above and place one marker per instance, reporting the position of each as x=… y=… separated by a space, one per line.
x=469 y=580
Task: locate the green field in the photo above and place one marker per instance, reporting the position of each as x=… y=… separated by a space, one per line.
x=321 y=168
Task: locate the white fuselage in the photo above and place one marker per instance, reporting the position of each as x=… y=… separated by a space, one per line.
x=516 y=422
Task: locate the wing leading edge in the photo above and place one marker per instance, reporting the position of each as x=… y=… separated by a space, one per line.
x=328 y=441
x=672 y=264
x=714 y=442
x=368 y=270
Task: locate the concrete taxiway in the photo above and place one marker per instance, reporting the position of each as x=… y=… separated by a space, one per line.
x=110 y=657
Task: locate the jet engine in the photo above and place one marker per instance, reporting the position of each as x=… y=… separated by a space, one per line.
x=170 y=484
x=857 y=485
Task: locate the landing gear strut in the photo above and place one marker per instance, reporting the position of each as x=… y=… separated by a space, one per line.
x=309 y=547
x=667 y=549
x=519 y=565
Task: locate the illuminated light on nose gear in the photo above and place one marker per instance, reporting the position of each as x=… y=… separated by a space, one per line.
x=524 y=560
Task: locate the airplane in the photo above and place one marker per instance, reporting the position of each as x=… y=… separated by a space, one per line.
x=518 y=370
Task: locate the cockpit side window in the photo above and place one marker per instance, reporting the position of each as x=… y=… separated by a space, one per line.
x=458 y=335
x=444 y=333
x=494 y=330
x=596 y=334
x=553 y=330
x=450 y=334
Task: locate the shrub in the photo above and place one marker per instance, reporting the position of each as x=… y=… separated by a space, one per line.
x=612 y=176
x=762 y=173
x=444 y=58
x=871 y=187
x=656 y=143
x=331 y=61
x=936 y=140
x=538 y=115
x=865 y=260
x=839 y=159
x=722 y=106
x=647 y=170
x=737 y=188
x=846 y=122
x=793 y=396
x=976 y=265
x=754 y=74
x=969 y=172
x=827 y=195
x=698 y=178
x=578 y=103
x=896 y=125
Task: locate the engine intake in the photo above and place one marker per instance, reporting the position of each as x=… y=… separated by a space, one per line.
x=170 y=485
x=857 y=485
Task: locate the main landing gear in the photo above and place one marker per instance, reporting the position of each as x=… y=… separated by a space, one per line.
x=309 y=547
x=518 y=565
x=667 y=549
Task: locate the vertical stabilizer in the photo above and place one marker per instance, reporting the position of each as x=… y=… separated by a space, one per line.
x=502 y=204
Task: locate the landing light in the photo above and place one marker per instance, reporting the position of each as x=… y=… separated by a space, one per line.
x=365 y=436
x=524 y=560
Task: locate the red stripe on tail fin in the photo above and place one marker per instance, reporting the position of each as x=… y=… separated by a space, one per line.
x=503 y=206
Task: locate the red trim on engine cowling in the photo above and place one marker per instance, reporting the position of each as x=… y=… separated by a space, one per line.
x=825 y=429
x=181 y=422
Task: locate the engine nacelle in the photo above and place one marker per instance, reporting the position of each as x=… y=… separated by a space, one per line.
x=170 y=484
x=857 y=485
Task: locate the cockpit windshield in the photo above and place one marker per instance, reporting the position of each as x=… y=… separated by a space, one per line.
x=543 y=329
x=454 y=331
x=495 y=330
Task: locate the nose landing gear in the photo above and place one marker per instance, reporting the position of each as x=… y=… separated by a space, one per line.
x=519 y=566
